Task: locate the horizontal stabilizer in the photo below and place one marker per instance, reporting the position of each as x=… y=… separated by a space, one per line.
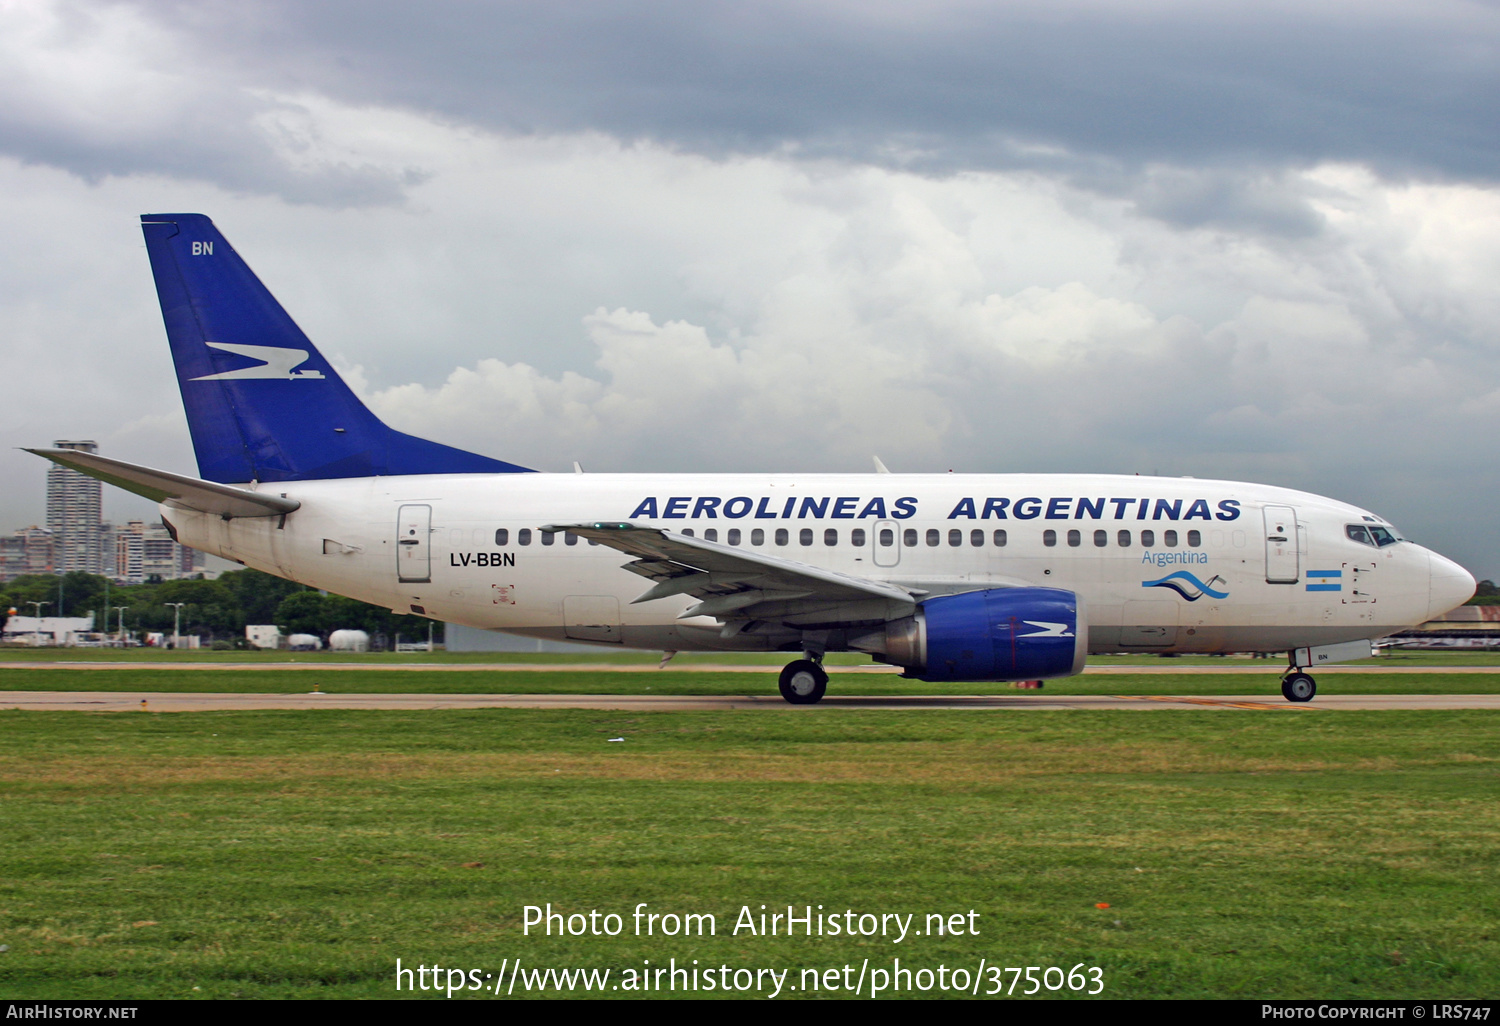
x=172 y=489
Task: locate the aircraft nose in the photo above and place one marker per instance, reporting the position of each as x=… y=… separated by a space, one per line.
x=1449 y=585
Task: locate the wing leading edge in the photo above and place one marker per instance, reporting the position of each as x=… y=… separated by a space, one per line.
x=174 y=490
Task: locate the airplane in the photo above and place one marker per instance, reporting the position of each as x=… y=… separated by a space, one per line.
x=951 y=577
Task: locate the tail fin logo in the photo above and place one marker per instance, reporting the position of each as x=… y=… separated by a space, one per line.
x=275 y=362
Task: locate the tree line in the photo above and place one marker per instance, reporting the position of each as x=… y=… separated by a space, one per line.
x=216 y=610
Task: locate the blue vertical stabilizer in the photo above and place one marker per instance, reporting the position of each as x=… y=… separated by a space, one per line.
x=262 y=403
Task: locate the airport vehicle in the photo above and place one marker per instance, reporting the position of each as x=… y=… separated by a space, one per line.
x=954 y=577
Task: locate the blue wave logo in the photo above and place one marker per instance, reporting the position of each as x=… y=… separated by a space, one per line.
x=1188 y=586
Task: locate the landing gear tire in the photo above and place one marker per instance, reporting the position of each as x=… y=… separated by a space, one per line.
x=1298 y=687
x=803 y=682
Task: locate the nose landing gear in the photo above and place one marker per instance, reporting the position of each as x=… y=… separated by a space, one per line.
x=803 y=682
x=1298 y=687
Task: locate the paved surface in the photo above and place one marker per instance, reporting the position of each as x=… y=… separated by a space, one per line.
x=159 y=701
x=1270 y=668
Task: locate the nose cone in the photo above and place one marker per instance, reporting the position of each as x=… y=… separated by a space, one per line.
x=1449 y=585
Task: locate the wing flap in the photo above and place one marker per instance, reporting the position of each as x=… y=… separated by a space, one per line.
x=730 y=582
x=174 y=490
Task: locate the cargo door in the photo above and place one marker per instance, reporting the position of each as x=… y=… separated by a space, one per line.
x=414 y=544
x=1282 y=563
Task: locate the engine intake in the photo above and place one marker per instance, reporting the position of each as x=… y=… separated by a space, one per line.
x=998 y=634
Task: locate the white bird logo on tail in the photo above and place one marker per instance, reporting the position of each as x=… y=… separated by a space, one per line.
x=275 y=362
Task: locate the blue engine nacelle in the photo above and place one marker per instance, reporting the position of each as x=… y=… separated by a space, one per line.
x=999 y=634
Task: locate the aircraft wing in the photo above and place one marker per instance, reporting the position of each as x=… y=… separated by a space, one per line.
x=173 y=489
x=739 y=584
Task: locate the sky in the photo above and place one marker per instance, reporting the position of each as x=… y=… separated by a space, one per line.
x=1256 y=241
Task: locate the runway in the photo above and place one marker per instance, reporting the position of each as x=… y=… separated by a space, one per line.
x=162 y=701
x=1269 y=669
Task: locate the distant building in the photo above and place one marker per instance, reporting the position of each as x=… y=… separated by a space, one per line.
x=1464 y=627
x=47 y=630
x=27 y=551
x=144 y=551
x=74 y=515
x=263 y=635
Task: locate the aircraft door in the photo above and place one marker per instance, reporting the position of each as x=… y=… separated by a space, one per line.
x=414 y=544
x=887 y=538
x=1282 y=563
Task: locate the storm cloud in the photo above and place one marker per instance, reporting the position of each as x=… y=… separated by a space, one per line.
x=1229 y=240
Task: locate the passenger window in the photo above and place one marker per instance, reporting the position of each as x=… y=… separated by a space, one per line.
x=688 y=531
x=1075 y=539
x=1148 y=538
x=593 y=542
x=804 y=536
x=955 y=537
x=712 y=534
x=782 y=537
x=502 y=537
x=569 y=538
x=909 y=537
x=976 y=538
x=1382 y=536
x=887 y=537
x=1001 y=538
x=523 y=536
x=934 y=536
x=1169 y=539
x=830 y=536
x=547 y=539
x=857 y=537
x=1124 y=539
x=1195 y=539
x=734 y=536
x=1049 y=537
x=757 y=537
x=1359 y=533
x=1101 y=538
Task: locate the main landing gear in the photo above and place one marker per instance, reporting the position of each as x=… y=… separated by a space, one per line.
x=803 y=682
x=1297 y=686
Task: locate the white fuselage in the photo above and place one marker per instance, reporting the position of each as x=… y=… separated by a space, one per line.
x=1162 y=564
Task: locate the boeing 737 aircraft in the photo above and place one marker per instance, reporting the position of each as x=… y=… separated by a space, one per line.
x=953 y=577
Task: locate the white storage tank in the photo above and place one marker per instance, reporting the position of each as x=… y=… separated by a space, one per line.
x=304 y=643
x=349 y=641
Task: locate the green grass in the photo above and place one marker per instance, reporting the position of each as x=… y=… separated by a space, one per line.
x=301 y=853
x=706 y=682
x=610 y=654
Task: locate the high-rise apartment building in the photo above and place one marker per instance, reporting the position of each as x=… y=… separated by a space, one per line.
x=75 y=515
x=27 y=551
x=146 y=551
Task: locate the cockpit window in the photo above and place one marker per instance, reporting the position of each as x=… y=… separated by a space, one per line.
x=1372 y=534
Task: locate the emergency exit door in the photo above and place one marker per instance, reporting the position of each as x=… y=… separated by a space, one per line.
x=887 y=539
x=414 y=544
x=1282 y=563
